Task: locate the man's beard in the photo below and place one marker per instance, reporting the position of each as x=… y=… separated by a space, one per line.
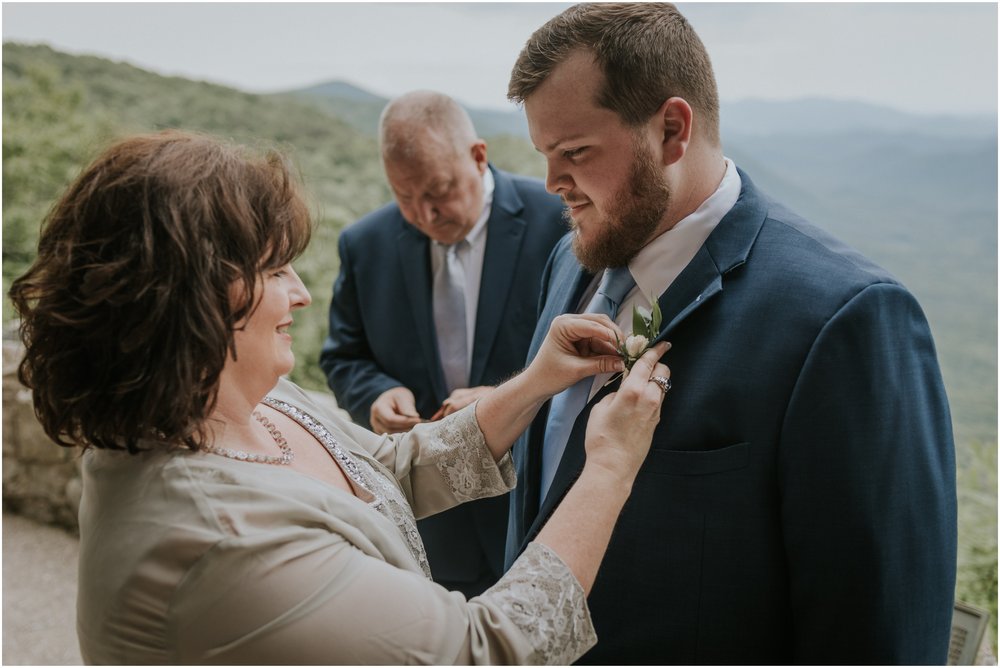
x=634 y=214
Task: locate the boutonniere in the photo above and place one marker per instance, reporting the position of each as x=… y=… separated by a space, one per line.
x=645 y=329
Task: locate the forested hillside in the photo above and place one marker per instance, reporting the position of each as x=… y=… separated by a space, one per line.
x=58 y=110
x=924 y=206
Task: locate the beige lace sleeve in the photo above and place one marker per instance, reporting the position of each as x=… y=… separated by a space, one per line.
x=445 y=463
x=459 y=451
x=543 y=598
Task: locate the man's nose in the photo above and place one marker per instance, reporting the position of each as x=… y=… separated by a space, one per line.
x=556 y=180
x=426 y=213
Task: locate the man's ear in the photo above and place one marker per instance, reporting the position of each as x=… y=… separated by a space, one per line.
x=674 y=117
x=478 y=151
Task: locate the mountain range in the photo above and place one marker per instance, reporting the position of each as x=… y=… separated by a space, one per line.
x=750 y=117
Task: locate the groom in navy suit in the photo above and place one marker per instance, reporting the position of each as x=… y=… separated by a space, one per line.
x=798 y=503
x=436 y=302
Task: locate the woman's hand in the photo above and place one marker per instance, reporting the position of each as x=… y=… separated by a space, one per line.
x=620 y=428
x=576 y=347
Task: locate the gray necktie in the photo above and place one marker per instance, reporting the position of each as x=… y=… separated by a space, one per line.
x=566 y=406
x=449 y=315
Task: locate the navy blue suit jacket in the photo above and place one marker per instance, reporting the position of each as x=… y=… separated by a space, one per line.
x=798 y=503
x=382 y=336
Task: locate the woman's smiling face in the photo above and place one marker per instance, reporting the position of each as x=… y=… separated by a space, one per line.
x=262 y=341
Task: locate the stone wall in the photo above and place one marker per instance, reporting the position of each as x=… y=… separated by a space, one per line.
x=41 y=480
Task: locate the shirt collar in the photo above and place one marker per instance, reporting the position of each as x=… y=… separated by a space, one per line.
x=661 y=260
x=477 y=233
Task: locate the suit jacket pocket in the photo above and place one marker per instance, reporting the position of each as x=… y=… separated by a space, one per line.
x=698 y=462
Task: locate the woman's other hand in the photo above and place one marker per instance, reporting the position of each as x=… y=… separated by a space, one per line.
x=620 y=428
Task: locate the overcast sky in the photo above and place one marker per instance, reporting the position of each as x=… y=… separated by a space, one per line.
x=923 y=58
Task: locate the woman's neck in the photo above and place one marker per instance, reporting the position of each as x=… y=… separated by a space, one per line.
x=232 y=418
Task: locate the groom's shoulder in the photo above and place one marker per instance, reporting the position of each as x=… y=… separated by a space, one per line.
x=809 y=253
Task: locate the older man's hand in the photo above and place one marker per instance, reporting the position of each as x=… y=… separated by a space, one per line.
x=394 y=411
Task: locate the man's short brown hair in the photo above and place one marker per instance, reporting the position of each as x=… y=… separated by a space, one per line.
x=648 y=53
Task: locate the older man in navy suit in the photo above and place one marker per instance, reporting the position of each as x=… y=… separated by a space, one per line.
x=798 y=502
x=436 y=302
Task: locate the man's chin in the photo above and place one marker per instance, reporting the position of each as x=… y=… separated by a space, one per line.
x=588 y=253
x=447 y=234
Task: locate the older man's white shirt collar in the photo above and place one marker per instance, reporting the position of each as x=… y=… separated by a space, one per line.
x=476 y=235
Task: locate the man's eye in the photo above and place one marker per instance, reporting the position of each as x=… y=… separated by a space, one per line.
x=439 y=192
x=573 y=153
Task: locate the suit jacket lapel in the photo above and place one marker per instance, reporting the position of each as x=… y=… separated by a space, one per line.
x=726 y=249
x=692 y=289
x=695 y=286
x=414 y=258
x=504 y=236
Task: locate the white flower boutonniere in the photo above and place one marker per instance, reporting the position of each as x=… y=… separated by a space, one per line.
x=645 y=329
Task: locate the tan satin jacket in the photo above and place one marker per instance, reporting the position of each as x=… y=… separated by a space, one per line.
x=195 y=558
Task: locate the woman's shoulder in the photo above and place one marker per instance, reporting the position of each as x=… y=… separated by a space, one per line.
x=201 y=494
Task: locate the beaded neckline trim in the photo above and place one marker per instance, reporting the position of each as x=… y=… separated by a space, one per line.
x=388 y=499
x=324 y=436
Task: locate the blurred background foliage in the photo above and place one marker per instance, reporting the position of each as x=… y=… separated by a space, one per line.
x=919 y=200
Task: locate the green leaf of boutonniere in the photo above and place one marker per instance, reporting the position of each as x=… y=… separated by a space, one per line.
x=656 y=320
x=640 y=318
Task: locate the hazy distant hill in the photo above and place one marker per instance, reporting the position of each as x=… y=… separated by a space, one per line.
x=810 y=116
x=806 y=116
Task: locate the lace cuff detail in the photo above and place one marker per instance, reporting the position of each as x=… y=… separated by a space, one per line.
x=459 y=451
x=544 y=599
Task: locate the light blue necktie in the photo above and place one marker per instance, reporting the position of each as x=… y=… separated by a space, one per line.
x=566 y=406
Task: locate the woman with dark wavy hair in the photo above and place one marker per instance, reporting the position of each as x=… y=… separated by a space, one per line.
x=226 y=517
